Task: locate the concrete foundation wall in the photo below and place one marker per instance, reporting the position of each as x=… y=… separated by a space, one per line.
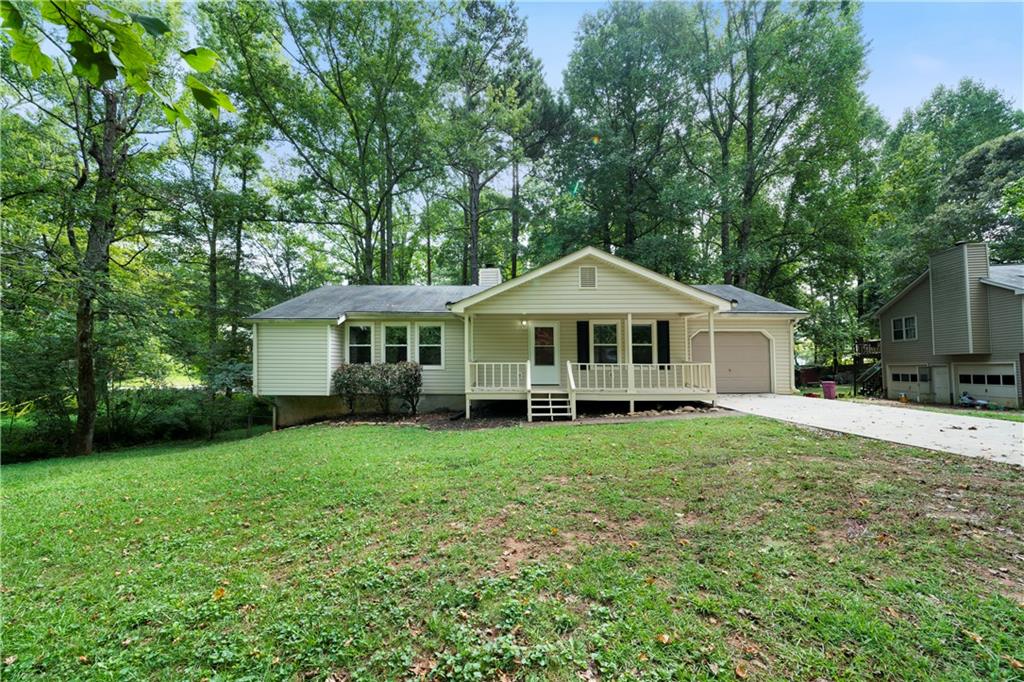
x=300 y=409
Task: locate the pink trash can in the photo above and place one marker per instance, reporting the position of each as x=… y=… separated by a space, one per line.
x=828 y=389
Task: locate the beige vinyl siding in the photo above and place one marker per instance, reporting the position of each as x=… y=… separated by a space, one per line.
x=977 y=267
x=778 y=328
x=948 y=277
x=446 y=381
x=292 y=358
x=335 y=348
x=559 y=292
x=915 y=302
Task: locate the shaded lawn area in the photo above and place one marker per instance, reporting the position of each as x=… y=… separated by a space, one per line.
x=705 y=549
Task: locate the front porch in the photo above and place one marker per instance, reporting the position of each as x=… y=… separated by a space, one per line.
x=553 y=363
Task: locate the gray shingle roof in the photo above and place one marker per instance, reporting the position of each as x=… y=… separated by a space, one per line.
x=1009 y=275
x=332 y=301
x=747 y=301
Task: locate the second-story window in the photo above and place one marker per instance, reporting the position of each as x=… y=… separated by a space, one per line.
x=904 y=328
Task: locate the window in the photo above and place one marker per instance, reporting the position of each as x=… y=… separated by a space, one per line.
x=978 y=379
x=643 y=344
x=992 y=379
x=1009 y=380
x=606 y=342
x=360 y=344
x=429 y=339
x=923 y=373
x=913 y=379
x=904 y=328
x=895 y=376
x=396 y=343
x=965 y=378
x=588 y=277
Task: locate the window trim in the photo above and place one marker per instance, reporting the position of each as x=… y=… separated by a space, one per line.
x=349 y=345
x=653 y=324
x=385 y=345
x=618 y=341
x=430 y=368
x=903 y=328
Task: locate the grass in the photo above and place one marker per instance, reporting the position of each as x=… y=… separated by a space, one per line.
x=1004 y=415
x=700 y=549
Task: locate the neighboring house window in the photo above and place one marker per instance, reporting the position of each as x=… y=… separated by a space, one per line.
x=360 y=344
x=1009 y=380
x=606 y=342
x=904 y=328
x=396 y=343
x=429 y=339
x=643 y=344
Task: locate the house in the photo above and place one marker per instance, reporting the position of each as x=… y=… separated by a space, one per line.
x=588 y=327
x=958 y=327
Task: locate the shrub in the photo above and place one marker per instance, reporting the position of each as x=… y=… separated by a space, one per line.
x=408 y=378
x=381 y=383
x=351 y=382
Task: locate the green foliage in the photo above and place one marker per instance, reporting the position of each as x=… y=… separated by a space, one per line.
x=105 y=42
x=381 y=383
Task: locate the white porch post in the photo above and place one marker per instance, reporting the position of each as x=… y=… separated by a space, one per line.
x=630 y=379
x=711 y=345
x=466 y=361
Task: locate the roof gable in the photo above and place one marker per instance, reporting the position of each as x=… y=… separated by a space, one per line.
x=513 y=293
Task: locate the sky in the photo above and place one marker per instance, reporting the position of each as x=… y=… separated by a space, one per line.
x=912 y=46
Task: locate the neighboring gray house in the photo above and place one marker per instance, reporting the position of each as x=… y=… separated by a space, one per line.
x=588 y=327
x=959 y=327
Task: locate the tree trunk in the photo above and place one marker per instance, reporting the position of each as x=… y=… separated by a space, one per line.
x=726 y=214
x=474 y=226
x=515 y=217
x=93 y=267
x=426 y=225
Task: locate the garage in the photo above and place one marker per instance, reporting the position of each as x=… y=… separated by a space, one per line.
x=743 y=361
x=993 y=382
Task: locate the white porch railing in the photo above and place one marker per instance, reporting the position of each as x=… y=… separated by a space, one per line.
x=677 y=377
x=499 y=377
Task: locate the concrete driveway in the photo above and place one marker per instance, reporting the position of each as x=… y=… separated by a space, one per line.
x=994 y=439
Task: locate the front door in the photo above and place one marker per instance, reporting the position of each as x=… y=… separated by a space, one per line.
x=544 y=353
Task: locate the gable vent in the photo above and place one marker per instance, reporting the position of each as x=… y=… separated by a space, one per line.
x=588 y=277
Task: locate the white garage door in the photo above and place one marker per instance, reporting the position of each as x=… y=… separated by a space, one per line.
x=743 y=361
x=987 y=382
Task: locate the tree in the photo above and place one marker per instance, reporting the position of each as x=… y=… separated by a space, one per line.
x=483 y=63
x=972 y=205
x=769 y=81
x=621 y=154
x=354 y=77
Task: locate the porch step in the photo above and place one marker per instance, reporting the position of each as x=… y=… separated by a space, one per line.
x=550 y=405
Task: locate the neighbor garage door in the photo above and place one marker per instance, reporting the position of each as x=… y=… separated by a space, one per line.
x=743 y=360
x=988 y=382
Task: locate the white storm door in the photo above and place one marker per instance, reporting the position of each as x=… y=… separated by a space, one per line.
x=544 y=353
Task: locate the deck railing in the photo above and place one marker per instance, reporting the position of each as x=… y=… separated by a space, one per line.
x=680 y=377
x=499 y=377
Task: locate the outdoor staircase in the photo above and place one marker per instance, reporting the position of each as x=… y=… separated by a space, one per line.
x=870 y=380
x=549 y=405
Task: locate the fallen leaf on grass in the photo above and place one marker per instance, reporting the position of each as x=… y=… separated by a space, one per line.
x=741 y=670
x=714 y=668
x=683 y=542
x=973 y=636
x=219 y=594
x=664 y=638
x=634 y=544
x=1014 y=663
x=83 y=659
x=10 y=660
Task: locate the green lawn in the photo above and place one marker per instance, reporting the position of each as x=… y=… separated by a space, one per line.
x=699 y=549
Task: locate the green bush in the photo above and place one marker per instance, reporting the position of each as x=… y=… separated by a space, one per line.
x=381 y=383
x=130 y=416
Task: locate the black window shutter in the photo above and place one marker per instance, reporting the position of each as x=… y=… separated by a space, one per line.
x=582 y=341
x=663 y=349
